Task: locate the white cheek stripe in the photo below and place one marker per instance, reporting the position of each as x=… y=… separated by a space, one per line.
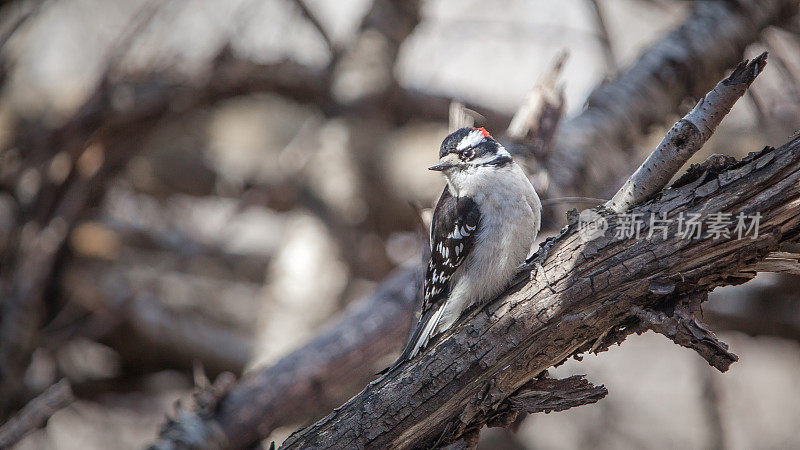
x=474 y=138
x=501 y=152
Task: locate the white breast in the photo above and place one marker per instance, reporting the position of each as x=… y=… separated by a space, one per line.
x=510 y=219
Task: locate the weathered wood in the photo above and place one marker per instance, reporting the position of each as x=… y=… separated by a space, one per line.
x=545 y=102
x=594 y=288
x=548 y=395
x=685 y=329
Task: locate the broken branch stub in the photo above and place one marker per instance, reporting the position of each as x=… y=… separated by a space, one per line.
x=686 y=137
x=549 y=395
x=685 y=329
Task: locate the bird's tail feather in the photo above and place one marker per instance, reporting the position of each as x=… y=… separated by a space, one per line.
x=426 y=328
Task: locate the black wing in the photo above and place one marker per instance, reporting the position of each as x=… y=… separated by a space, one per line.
x=455 y=224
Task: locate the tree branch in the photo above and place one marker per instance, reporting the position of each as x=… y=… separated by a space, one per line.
x=143 y=330
x=35 y=413
x=535 y=123
x=649 y=93
x=312 y=18
x=468 y=373
x=686 y=137
x=603 y=35
x=685 y=329
x=324 y=373
x=548 y=395
x=592 y=150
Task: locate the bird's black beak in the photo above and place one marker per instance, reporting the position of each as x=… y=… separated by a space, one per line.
x=440 y=167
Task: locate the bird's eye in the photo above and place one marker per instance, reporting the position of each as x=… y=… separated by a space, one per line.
x=468 y=153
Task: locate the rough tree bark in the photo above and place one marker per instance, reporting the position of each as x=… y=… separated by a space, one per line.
x=596 y=293
x=649 y=93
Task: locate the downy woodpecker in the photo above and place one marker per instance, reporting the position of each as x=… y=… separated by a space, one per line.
x=483 y=228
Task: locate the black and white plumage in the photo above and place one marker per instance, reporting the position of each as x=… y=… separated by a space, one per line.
x=483 y=228
x=452 y=238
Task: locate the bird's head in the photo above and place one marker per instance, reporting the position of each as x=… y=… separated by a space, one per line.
x=468 y=154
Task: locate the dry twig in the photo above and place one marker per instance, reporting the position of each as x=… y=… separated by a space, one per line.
x=35 y=413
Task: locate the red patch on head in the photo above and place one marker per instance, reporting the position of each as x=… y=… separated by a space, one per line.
x=484 y=132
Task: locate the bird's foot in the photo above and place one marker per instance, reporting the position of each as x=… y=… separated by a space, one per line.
x=540 y=255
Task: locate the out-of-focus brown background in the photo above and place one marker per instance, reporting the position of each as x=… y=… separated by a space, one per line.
x=241 y=217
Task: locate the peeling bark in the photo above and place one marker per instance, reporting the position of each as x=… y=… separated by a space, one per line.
x=548 y=395
x=685 y=329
